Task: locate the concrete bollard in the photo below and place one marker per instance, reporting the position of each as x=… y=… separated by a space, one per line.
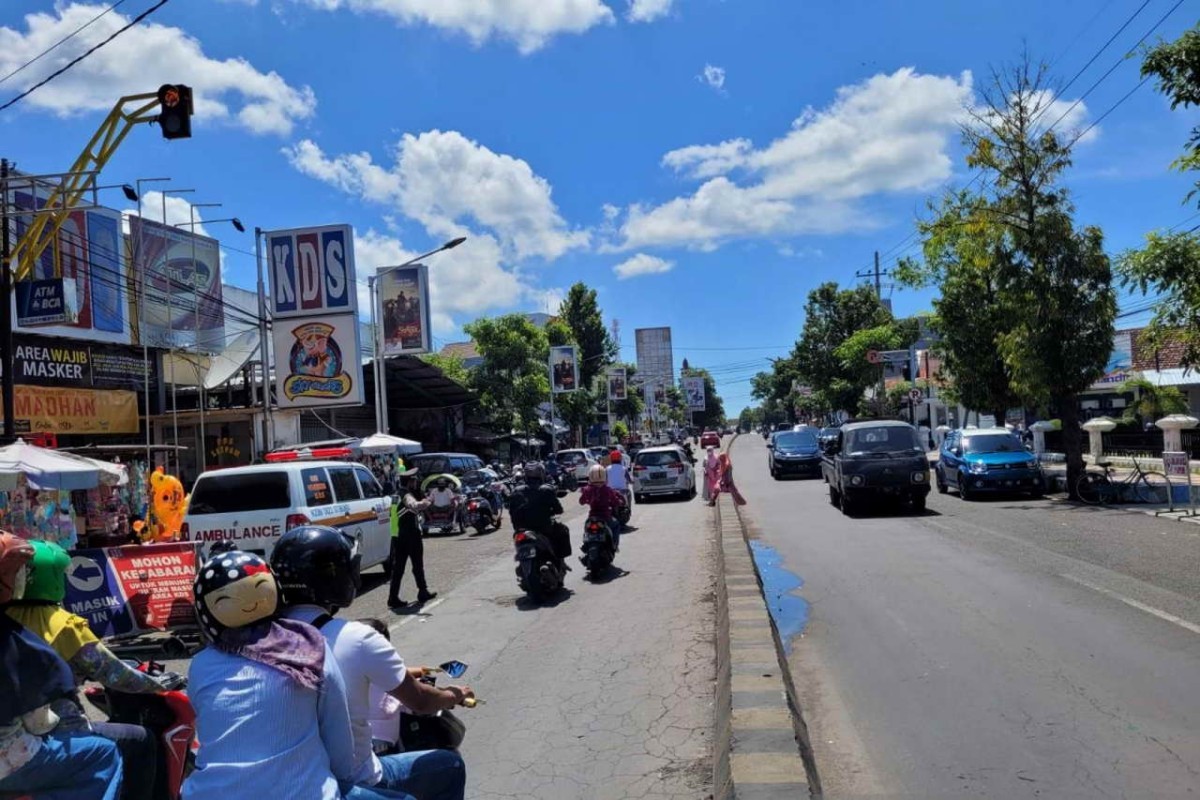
x=1172 y=428
x=1039 y=429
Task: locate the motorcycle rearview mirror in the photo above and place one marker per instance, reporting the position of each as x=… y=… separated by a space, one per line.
x=455 y=669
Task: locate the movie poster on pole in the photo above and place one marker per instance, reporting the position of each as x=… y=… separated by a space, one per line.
x=617 y=390
x=318 y=361
x=403 y=310
x=564 y=369
x=693 y=391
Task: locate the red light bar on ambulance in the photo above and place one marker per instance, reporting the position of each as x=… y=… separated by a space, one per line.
x=309 y=454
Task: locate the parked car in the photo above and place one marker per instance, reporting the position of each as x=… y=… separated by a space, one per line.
x=254 y=506
x=873 y=461
x=987 y=460
x=437 y=463
x=794 y=453
x=710 y=439
x=663 y=470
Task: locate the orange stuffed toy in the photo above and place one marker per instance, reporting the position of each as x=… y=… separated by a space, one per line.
x=168 y=506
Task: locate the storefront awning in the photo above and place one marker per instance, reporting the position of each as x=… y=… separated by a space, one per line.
x=416 y=385
x=1178 y=376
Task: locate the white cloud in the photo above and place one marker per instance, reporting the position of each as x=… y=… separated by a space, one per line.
x=890 y=133
x=528 y=23
x=464 y=281
x=177 y=207
x=648 y=10
x=138 y=61
x=703 y=161
x=713 y=76
x=1069 y=117
x=642 y=264
x=442 y=179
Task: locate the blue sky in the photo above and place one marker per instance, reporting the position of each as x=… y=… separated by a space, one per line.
x=703 y=163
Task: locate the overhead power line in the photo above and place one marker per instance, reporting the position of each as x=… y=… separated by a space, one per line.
x=60 y=42
x=83 y=55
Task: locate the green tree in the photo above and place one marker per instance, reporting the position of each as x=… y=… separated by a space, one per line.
x=831 y=317
x=713 y=415
x=1153 y=402
x=961 y=246
x=858 y=372
x=619 y=431
x=514 y=377
x=1055 y=279
x=1176 y=65
x=581 y=314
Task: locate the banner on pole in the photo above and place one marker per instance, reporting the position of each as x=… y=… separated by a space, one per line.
x=617 y=389
x=318 y=361
x=564 y=369
x=693 y=392
x=403 y=310
x=183 y=305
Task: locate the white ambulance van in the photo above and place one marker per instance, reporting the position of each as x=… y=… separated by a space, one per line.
x=253 y=506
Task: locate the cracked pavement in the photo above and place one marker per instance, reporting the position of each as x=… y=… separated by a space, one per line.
x=607 y=693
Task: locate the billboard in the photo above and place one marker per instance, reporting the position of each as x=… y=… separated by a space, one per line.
x=90 y=261
x=44 y=361
x=318 y=361
x=1120 y=363
x=693 y=392
x=63 y=409
x=617 y=389
x=564 y=369
x=183 y=306
x=312 y=271
x=655 y=358
x=403 y=310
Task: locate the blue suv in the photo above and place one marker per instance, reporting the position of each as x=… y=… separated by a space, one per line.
x=987 y=460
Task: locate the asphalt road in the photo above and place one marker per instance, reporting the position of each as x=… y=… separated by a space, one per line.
x=999 y=649
x=605 y=693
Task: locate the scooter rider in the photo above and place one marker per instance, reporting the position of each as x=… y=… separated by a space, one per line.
x=603 y=501
x=618 y=475
x=40 y=610
x=318 y=576
x=534 y=507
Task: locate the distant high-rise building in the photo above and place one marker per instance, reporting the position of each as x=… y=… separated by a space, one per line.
x=655 y=358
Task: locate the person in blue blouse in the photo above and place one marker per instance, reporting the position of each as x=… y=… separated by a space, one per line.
x=271 y=713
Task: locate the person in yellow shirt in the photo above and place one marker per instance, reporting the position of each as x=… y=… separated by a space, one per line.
x=40 y=610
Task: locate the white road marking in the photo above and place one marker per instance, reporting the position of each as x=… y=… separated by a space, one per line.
x=1183 y=623
x=425 y=609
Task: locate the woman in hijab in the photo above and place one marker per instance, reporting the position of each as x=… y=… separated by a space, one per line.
x=270 y=701
x=712 y=476
x=36 y=758
x=725 y=467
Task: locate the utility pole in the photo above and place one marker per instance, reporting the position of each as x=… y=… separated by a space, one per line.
x=6 y=332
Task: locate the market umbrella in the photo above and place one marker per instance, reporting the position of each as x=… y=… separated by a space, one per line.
x=434 y=478
x=51 y=469
x=378 y=444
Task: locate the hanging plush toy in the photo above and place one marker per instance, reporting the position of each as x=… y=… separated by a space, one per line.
x=168 y=505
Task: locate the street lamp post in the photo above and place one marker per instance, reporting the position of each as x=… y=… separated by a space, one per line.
x=140 y=266
x=200 y=388
x=170 y=298
x=380 y=365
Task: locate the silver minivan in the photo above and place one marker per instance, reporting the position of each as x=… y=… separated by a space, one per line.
x=663 y=470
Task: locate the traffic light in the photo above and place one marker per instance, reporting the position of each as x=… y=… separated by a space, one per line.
x=175 y=118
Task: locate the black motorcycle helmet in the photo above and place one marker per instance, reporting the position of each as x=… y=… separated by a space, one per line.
x=316 y=564
x=535 y=473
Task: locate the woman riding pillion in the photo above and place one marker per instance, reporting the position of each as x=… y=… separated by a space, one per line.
x=603 y=501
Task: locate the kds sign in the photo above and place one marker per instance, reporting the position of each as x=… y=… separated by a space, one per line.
x=312 y=271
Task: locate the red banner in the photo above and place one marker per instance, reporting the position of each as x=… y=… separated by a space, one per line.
x=133 y=589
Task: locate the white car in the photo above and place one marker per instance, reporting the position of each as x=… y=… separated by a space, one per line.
x=254 y=506
x=663 y=470
x=578 y=461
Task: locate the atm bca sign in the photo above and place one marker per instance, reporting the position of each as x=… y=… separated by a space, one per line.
x=312 y=271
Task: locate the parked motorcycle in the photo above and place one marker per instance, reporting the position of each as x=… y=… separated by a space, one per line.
x=540 y=572
x=598 y=549
x=168 y=715
x=442 y=730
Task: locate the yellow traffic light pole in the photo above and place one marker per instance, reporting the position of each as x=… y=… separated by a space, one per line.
x=81 y=178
